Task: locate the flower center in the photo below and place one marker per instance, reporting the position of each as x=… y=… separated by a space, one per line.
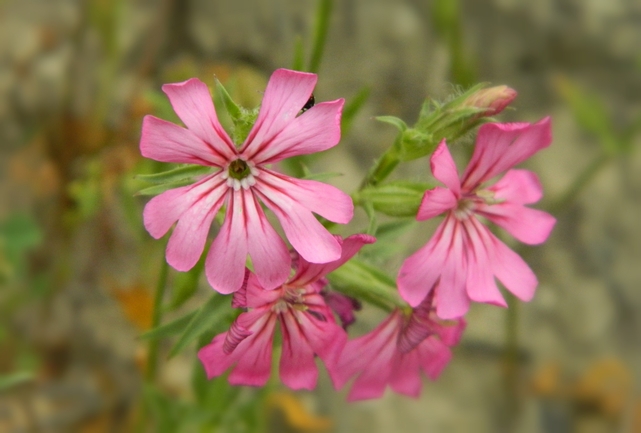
x=240 y=174
x=239 y=169
x=464 y=209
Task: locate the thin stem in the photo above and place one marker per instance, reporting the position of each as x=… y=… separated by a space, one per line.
x=382 y=168
x=152 y=356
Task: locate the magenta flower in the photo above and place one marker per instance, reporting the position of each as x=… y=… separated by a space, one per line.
x=242 y=179
x=397 y=351
x=463 y=255
x=307 y=326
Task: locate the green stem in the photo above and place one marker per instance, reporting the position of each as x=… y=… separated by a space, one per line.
x=511 y=360
x=382 y=168
x=152 y=357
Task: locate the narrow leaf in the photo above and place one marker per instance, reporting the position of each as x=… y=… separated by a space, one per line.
x=180 y=173
x=321 y=27
x=298 y=64
x=400 y=125
x=352 y=107
x=209 y=315
x=168 y=329
x=234 y=110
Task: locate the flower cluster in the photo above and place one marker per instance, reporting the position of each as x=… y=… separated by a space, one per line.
x=287 y=291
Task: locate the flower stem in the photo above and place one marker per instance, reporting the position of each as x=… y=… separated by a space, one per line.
x=152 y=356
x=382 y=168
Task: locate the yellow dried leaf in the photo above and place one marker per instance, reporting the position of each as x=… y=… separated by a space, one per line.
x=137 y=304
x=296 y=414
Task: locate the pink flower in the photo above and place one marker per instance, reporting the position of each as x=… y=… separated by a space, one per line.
x=463 y=255
x=307 y=326
x=396 y=351
x=242 y=179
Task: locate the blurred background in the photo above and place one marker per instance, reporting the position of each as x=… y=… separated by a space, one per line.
x=78 y=270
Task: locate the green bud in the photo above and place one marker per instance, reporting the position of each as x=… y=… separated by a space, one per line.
x=399 y=198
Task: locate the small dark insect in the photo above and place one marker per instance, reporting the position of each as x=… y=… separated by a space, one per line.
x=309 y=104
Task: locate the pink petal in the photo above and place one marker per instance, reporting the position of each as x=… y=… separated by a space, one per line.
x=312 y=241
x=193 y=104
x=214 y=359
x=162 y=211
x=434 y=357
x=420 y=272
x=166 y=142
x=480 y=279
x=530 y=226
x=435 y=202
x=371 y=358
x=444 y=168
x=297 y=367
x=225 y=263
x=510 y=268
x=501 y=146
x=310 y=272
x=255 y=352
x=451 y=299
x=321 y=331
x=257 y=296
x=325 y=200
x=360 y=353
x=286 y=94
x=518 y=187
x=451 y=333
x=316 y=130
x=269 y=254
x=405 y=378
x=187 y=241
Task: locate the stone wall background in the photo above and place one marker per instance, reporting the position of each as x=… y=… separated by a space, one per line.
x=586 y=316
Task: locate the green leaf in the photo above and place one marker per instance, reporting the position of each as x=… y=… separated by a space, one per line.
x=298 y=64
x=235 y=112
x=321 y=29
x=213 y=313
x=186 y=283
x=168 y=329
x=14 y=379
x=366 y=282
x=177 y=174
x=159 y=189
x=400 y=125
x=399 y=198
x=352 y=107
x=416 y=144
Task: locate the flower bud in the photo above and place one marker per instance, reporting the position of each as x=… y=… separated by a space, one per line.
x=495 y=99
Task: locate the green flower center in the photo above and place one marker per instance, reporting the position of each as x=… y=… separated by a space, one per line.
x=239 y=169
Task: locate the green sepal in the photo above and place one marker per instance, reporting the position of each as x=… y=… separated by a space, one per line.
x=415 y=144
x=177 y=174
x=366 y=282
x=398 y=198
x=392 y=120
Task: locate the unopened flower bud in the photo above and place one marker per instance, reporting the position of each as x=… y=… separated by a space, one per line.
x=495 y=99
